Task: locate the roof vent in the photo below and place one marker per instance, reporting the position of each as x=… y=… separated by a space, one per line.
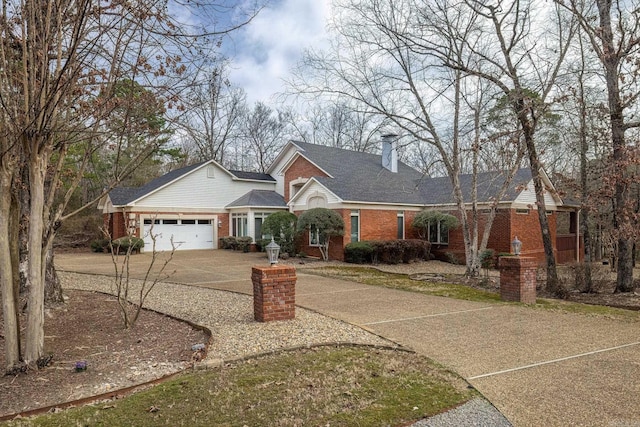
x=389 y=152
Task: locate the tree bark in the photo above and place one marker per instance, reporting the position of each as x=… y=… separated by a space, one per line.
x=34 y=345
x=9 y=297
x=610 y=60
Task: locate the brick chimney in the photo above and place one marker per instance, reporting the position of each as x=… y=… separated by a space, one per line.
x=389 y=152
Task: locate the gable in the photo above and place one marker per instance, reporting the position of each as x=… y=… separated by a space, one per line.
x=208 y=187
x=313 y=195
x=527 y=198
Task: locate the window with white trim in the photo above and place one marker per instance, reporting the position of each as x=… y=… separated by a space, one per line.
x=315 y=238
x=239 y=224
x=355 y=225
x=438 y=233
x=258 y=219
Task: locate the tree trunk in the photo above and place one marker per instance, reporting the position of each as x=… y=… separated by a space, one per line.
x=34 y=345
x=9 y=297
x=52 y=284
x=528 y=130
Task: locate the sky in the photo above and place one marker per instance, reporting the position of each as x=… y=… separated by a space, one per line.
x=264 y=52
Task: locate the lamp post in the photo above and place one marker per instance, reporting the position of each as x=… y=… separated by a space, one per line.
x=273 y=250
x=516 y=245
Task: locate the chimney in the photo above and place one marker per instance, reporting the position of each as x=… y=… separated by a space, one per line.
x=389 y=152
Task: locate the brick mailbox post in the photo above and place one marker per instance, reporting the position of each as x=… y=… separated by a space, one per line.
x=518 y=279
x=274 y=293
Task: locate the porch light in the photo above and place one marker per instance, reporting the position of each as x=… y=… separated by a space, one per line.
x=516 y=245
x=273 y=250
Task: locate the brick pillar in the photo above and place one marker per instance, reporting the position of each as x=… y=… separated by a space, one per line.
x=274 y=293
x=518 y=279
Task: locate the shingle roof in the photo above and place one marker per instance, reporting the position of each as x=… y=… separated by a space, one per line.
x=439 y=191
x=360 y=177
x=259 y=198
x=252 y=175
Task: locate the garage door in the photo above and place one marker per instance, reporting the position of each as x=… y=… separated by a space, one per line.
x=186 y=234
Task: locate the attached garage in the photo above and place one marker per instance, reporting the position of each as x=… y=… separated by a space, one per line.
x=186 y=234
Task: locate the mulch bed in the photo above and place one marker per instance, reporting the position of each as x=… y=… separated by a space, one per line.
x=88 y=328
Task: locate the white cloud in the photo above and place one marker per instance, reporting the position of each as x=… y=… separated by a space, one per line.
x=267 y=49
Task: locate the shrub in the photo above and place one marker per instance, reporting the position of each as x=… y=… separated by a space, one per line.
x=243 y=243
x=228 y=242
x=100 y=245
x=358 y=252
x=127 y=244
x=388 y=251
x=488 y=259
x=261 y=244
x=282 y=226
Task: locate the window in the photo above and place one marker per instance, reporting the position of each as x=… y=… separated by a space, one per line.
x=170 y=221
x=188 y=221
x=438 y=233
x=258 y=219
x=355 y=225
x=239 y=225
x=400 y=220
x=151 y=221
x=204 y=221
x=314 y=236
x=522 y=211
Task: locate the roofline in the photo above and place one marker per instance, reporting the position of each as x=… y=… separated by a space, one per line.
x=304 y=188
x=298 y=153
x=256 y=207
x=283 y=150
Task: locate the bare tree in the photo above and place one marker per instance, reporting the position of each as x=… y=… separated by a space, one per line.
x=382 y=60
x=613 y=30
x=59 y=65
x=213 y=114
x=263 y=129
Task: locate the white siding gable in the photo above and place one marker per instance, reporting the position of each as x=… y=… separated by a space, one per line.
x=527 y=198
x=276 y=169
x=200 y=190
x=311 y=195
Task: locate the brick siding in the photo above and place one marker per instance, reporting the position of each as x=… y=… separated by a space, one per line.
x=300 y=168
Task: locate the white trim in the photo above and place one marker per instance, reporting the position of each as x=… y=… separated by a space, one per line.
x=304 y=188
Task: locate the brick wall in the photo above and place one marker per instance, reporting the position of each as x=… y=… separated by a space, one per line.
x=274 y=293
x=518 y=279
x=506 y=225
x=300 y=168
x=115 y=224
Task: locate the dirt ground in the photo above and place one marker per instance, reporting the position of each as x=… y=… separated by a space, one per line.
x=88 y=328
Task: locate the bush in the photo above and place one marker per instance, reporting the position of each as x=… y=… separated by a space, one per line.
x=127 y=243
x=488 y=259
x=100 y=245
x=228 y=242
x=243 y=243
x=261 y=244
x=358 y=253
x=387 y=251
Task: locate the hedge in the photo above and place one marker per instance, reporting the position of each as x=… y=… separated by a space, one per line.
x=387 y=251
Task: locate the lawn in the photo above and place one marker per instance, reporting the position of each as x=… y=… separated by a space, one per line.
x=375 y=277
x=337 y=386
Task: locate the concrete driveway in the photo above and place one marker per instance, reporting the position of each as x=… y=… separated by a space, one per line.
x=538 y=367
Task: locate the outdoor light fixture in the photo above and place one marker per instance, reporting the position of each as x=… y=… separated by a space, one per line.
x=516 y=245
x=219 y=223
x=273 y=250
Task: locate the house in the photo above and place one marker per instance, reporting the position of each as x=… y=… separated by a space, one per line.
x=377 y=196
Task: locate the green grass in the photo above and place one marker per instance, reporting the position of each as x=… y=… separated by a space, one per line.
x=372 y=276
x=337 y=386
